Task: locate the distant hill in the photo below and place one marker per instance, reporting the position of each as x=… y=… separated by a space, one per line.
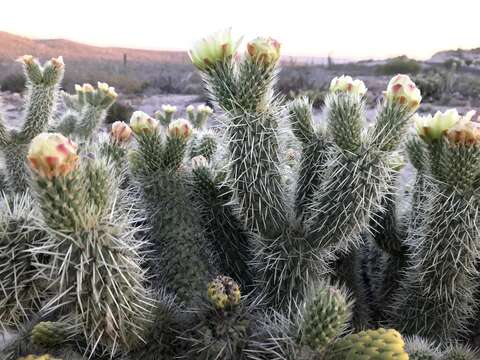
x=472 y=55
x=12 y=46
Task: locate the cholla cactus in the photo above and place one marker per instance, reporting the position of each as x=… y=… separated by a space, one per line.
x=41 y=101
x=225 y=232
x=116 y=146
x=98 y=280
x=330 y=222
x=199 y=117
x=21 y=284
x=343 y=168
x=222 y=328
x=178 y=243
x=166 y=117
x=281 y=205
x=87 y=109
x=438 y=297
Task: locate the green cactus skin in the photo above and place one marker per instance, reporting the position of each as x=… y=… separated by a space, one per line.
x=380 y=344
x=324 y=317
x=387 y=233
x=198 y=118
x=228 y=237
x=14 y=154
x=116 y=154
x=441 y=284
x=21 y=345
x=178 y=245
x=42 y=85
x=49 y=334
x=4 y=134
x=41 y=102
x=95 y=258
x=164 y=117
x=20 y=279
x=397 y=263
x=420 y=349
x=178 y=241
x=97 y=176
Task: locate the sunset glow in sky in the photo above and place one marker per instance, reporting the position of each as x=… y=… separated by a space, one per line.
x=342 y=28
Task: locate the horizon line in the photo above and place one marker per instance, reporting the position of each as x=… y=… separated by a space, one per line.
x=293 y=55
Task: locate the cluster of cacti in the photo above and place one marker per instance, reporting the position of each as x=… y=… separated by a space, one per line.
x=270 y=236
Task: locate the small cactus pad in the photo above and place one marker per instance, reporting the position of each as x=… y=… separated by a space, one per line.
x=49 y=334
x=324 y=318
x=380 y=344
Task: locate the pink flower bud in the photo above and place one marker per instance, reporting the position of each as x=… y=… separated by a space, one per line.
x=141 y=123
x=180 y=128
x=348 y=85
x=264 y=50
x=121 y=132
x=52 y=155
x=404 y=91
x=213 y=49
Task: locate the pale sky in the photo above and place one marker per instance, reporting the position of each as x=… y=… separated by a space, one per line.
x=343 y=28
